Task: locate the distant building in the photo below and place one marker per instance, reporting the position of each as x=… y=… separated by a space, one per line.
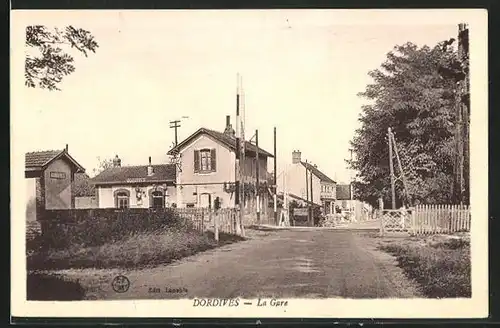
x=50 y=175
x=206 y=162
x=298 y=187
x=142 y=186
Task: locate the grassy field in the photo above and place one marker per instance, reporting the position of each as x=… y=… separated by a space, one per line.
x=441 y=266
x=140 y=250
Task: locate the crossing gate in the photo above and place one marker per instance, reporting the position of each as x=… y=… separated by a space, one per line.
x=395 y=220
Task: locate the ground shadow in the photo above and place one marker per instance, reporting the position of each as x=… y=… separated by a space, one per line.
x=42 y=287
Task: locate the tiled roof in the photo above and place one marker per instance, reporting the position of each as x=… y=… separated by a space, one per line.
x=223 y=138
x=123 y=174
x=323 y=177
x=343 y=192
x=39 y=159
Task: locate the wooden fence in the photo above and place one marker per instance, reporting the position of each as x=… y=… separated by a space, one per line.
x=431 y=219
x=204 y=219
x=426 y=219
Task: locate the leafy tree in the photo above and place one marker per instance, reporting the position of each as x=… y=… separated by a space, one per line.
x=103 y=165
x=81 y=186
x=413 y=93
x=50 y=62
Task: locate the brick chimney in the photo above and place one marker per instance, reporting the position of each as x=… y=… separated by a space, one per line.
x=229 y=127
x=296 y=156
x=117 y=162
x=150 y=168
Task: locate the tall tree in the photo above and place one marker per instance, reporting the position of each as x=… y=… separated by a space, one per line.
x=412 y=94
x=50 y=60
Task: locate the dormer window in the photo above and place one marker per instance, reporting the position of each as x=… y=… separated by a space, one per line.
x=204 y=161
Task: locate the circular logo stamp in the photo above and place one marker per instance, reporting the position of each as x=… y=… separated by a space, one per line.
x=120 y=284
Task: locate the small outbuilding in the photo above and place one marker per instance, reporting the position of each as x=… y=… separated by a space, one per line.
x=50 y=177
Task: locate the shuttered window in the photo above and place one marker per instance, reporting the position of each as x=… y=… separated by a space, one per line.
x=205 y=161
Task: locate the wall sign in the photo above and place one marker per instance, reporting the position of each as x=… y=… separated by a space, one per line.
x=136 y=180
x=58 y=175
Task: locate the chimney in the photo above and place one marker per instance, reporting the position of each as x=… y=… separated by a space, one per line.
x=296 y=154
x=229 y=128
x=66 y=148
x=117 y=162
x=150 y=167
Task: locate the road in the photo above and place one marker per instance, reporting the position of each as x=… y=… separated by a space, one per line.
x=286 y=263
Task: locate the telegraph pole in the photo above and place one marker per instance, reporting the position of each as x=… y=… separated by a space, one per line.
x=237 y=183
x=174 y=125
x=307 y=195
x=257 y=188
x=391 y=167
x=403 y=178
x=311 y=222
x=275 y=189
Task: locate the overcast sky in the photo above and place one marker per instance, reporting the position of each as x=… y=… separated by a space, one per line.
x=301 y=72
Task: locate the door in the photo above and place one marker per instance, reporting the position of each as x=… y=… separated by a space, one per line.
x=158 y=199
x=205 y=201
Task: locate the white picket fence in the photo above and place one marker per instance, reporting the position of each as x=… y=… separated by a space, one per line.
x=426 y=219
x=431 y=219
x=204 y=219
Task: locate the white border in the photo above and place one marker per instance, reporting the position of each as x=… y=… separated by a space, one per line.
x=477 y=306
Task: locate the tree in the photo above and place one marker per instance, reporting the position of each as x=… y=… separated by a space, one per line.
x=414 y=94
x=49 y=63
x=104 y=164
x=81 y=186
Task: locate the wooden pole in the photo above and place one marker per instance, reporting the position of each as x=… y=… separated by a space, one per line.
x=311 y=223
x=400 y=166
x=257 y=185
x=391 y=167
x=307 y=196
x=237 y=200
x=275 y=181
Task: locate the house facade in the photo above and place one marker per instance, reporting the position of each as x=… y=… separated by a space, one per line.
x=49 y=176
x=206 y=168
x=142 y=186
x=296 y=178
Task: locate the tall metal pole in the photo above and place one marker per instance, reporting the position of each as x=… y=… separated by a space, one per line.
x=275 y=189
x=391 y=167
x=257 y=184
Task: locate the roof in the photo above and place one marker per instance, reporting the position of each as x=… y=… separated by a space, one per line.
x=343 y=192
x=136 y=174
x=227 y=140
x=39 y=160
x=323 y=177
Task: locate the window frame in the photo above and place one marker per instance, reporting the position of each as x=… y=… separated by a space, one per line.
x=122 y=196
x=205 y=161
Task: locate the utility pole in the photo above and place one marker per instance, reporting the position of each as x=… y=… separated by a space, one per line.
x=400 y=166
x=174 y=125
x=257 y=187
x=237 y=200
x=275 y=189
x=311 y=222
x=307 y=195
x=351 y=188
x=461 y=165
x=391 y=167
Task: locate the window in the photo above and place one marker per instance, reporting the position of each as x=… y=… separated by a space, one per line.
x=122 y=199
x=157 y=199
x=204 y=161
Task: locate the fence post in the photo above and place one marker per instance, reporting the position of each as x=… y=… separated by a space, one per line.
x=216 y=225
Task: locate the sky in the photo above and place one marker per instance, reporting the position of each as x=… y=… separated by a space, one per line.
x=301 y=71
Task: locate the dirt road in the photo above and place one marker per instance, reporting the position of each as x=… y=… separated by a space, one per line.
x=287 y=263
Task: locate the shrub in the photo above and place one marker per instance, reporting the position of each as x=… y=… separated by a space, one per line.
x=94 y=227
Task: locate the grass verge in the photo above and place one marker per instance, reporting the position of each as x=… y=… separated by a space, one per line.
x=136 y=251
x=442 y=269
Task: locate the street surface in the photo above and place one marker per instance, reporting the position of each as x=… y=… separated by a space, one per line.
x=305 y=263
